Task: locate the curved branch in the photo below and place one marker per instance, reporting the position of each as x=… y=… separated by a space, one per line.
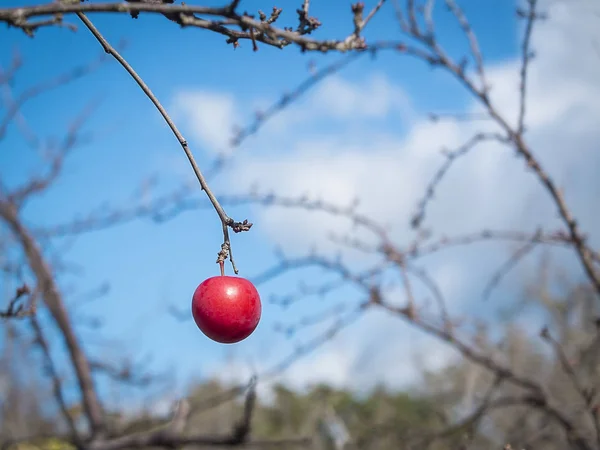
x=52 y=298
x=225 y=219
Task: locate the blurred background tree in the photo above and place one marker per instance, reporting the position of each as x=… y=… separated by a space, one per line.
x=357 y=184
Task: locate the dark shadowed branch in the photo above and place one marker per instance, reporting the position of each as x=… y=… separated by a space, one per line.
x=16 y=308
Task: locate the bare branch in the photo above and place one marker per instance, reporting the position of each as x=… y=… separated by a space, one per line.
x=587 y=394
x=171 y=438
x=18 y=310
x=225 y=219
x=473 y=42
x=52 y=298
x=126 y=374
x=451 y=156
x=56 y=380
x=508 y=265
x=185 y=15
x=530 y=15
x=261 y=117
x=338 y=325
x=438 y=57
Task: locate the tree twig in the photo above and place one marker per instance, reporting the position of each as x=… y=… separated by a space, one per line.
x=225 y=219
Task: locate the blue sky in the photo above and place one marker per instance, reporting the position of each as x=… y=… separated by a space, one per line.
x=150 y=266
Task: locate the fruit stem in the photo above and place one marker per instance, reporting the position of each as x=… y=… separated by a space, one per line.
x=222 y=266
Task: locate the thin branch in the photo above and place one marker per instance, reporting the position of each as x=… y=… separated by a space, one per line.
x=56 y=381
x=185 y=15
x=225 y=219
x=538 y=399
x=338 y=325
x=451 y=156
x=511 y=263
x=578 y=241
x=548 y=238
x=52 y=298
x=527 y=56
x=262 y=117
x=126 y=373
x=170 y=436
x=16 y=309
x=587 y=394
x=473 y=42
x=307 y=321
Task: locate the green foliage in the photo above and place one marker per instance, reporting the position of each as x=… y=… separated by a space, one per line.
x=43 y=444
x=379 y=419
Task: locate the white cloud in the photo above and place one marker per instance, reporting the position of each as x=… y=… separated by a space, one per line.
x=207 y=115
x=488 y=188
x=389 y=173
x=338 y=100
x=375 y=98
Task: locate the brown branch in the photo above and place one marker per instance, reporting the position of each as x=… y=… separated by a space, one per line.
x=527 y=56
x=52 y=298
x=16 y=63
x=290 y=329
x=538 y=399
x=451 y=156
x=470 y=353
x=472 y=420
x=17 y=310
x=225 y=219
x=473 y=42
x=338 y=325
x=587 y=394
x=184 y=409
x=185 y=15
x=262 y=117
x=438 y=57
x=510 y=264
x=171 y=437
x=376 y=298
x=558 y=238
x=125 y=374
x=435 y=290
x=57 y=389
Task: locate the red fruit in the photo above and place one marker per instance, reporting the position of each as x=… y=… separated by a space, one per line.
x=226 y=309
